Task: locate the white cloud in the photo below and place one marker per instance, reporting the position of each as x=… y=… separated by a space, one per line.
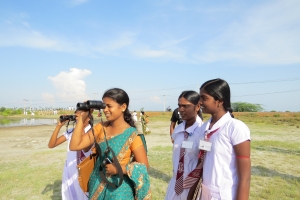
x=269 y=34
x=70 y=84
x=22 y=34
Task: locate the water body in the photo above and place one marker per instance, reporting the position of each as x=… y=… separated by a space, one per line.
x=10 y=122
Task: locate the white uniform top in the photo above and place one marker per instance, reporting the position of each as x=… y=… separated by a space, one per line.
x=220 y=176
x=70 y=188
x=190 y=158
x=134 y=116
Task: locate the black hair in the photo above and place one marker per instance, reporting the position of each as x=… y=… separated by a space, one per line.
x=193 y=97
x=121 y=97
x=219 y=89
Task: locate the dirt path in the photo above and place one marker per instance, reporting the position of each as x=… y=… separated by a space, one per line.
x=23 y=140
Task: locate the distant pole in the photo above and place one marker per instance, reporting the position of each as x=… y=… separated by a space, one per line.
x=164 y=103
x=25 y=100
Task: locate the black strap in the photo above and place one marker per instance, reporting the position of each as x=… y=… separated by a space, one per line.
x=102 y=165
x=119 y=169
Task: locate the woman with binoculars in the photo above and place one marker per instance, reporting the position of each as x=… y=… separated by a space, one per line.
x=70 y=188
x=120 y=171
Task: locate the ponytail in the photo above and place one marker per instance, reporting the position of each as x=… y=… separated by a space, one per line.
x=128 y=118
x=230 y=111
x=200 y=114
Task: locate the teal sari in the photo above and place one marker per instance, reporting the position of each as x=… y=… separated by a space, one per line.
x=136 y=184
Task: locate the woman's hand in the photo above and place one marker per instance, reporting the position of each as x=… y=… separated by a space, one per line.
x=110 y=169
x=82 y=115
x=60 y=123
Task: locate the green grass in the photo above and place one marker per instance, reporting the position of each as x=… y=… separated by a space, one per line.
x=24 y=179
x=160 y=160
x=275 y=157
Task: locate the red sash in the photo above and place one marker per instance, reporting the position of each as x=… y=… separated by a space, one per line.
x=180 y=169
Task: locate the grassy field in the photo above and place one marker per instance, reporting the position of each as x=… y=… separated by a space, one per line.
x=29 y=170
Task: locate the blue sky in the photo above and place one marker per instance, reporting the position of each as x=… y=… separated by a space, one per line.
x=60 y=52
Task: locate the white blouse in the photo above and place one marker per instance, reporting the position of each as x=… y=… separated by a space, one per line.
x=220 y=176
x=190 y=158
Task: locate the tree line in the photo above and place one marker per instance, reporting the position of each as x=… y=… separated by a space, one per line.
x=236 y=107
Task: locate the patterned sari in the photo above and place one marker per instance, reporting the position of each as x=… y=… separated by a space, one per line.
x=136 y=184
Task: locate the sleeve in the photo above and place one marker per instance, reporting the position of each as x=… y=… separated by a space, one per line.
x=240 y=133
x=68 y=133
x=98 y=130
x=137 y=142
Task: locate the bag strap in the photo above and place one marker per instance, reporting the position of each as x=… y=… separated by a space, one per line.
x=102 y=165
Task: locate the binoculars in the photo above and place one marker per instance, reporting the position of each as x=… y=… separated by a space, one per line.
x=97 y=105
x=67 y=117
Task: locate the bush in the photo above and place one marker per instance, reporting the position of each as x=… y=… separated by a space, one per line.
x=246 y=107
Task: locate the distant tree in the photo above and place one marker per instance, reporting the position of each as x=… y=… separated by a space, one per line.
x=246 y=107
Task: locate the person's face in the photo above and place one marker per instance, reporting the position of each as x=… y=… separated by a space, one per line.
x=208 y=104
x=113 y=110
x=186 y=109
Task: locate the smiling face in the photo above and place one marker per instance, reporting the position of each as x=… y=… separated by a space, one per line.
x=208 y=104
x=113 y=110
x=186 y=109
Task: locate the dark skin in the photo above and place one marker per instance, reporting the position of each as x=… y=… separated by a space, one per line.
x=114 y=113
x=188 y=112
x=55 y=141
x=243 y=163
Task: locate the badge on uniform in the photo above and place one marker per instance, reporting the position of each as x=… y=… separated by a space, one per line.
x=204 y=145
x=187 y=144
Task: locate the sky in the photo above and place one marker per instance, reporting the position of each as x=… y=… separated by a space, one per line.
x=56 y=53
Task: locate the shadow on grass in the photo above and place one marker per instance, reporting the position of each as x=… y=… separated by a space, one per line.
x=154 y=173
x=55 y=188
x=263 y=171
x=278 y=150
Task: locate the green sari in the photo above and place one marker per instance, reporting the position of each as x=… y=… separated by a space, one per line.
x=136 y=184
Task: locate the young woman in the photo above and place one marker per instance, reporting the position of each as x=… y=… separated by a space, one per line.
x=185 y=147
x=70 y=188
x=226 y=166
x=124 y=141
x=144 y=122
